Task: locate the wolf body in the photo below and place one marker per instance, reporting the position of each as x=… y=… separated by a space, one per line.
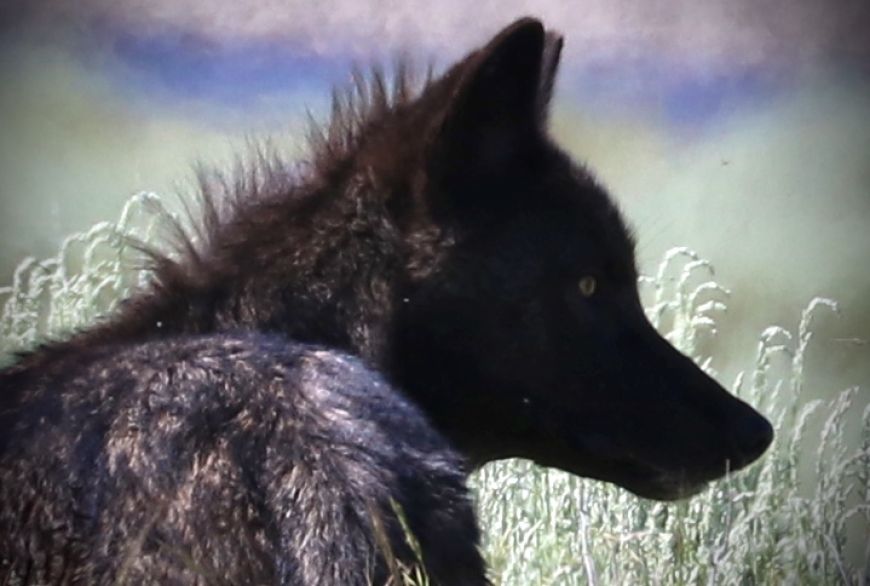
x=298 y=397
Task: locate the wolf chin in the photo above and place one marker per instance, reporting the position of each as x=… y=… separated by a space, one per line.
x=299 y=394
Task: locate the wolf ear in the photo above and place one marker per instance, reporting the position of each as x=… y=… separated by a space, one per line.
x=503 y=93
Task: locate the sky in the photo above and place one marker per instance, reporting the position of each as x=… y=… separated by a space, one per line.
x=719 y=33
x=740 y=128
x=683 y=52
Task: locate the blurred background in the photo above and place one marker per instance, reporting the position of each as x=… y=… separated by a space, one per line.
x=738 y=128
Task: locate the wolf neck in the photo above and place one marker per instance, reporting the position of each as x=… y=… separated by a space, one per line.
x=319 y=270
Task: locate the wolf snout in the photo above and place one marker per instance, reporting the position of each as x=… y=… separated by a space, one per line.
x=753 y=434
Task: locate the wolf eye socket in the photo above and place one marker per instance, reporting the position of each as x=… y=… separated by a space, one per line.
x=587 y=286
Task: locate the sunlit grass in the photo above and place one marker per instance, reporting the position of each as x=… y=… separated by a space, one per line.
x=801 y=515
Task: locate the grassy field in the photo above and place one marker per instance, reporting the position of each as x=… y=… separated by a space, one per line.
x=801 y=515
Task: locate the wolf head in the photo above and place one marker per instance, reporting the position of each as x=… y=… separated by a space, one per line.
x=519 y=327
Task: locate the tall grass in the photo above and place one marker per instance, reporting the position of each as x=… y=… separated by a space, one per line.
x=801 y=515
x=87 y=278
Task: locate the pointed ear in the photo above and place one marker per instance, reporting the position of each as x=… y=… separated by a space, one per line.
x=549 y=67
x=502 y=96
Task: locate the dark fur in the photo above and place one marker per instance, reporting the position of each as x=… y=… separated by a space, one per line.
x=293 y=378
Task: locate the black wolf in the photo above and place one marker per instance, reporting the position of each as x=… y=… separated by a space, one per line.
x=438 y=286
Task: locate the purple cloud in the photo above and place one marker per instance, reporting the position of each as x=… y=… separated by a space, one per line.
x=712 y=35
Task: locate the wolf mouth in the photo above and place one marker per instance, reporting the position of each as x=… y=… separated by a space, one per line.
x=656 y=483
x=613 y=463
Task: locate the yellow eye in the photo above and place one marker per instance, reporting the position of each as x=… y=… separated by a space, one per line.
x=587 y=286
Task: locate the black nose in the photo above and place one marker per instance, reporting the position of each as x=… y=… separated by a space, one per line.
x=753 y=436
